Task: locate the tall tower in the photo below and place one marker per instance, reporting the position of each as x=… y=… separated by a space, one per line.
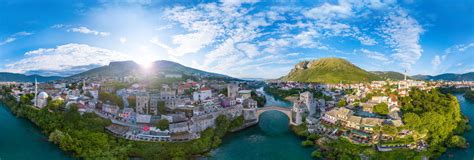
x=405 y=75
x=36 y=92
x=84 y=84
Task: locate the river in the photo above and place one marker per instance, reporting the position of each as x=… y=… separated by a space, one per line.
x=467 y=108
x=21 y=139
x=270 y=139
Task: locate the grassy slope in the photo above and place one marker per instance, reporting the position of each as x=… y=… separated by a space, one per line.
x=391 y=75
x=331 y=70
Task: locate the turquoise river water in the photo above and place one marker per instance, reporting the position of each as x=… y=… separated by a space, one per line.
x=271 y=139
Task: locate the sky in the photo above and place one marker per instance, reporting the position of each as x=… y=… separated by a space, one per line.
x=244 y=39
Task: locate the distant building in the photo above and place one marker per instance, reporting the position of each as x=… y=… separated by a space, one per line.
x=307 y=99
x=203 y=94
x=42 y=100
x=142 y=103
x=245 y=94
x=250 y=103
x=232 y=90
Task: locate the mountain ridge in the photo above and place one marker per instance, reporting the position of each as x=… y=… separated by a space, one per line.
x=329 y=70
x=125 y=68
x=469 y=76
x=17 y=77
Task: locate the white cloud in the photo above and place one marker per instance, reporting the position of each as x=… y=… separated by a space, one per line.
x=436 y=61
x=86 y=30
x=250 y=49
x=123 y=40
x=330 y=11
x=14 y=37
x=375 y=55
x=402 y=33
x=63 y=60
x=462 y=48
x=236 y=3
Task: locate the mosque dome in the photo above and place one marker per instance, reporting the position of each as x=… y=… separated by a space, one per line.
x=43 y=95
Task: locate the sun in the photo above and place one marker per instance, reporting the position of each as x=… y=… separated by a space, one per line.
x=145 y=63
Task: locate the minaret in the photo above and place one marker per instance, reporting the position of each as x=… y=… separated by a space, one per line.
x=36 y=92
x=84 y=84
x=405 y=75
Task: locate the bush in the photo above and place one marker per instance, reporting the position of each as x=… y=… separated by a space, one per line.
x=307 y=143
x=457 y=141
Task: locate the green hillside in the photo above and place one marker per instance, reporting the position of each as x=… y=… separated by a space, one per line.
x=15 y=77
x=130 y=68
x=329 y=70
x=390 y=75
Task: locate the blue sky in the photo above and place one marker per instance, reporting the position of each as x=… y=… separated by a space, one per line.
x=249 y=38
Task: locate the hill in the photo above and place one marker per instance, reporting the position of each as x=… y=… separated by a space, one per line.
x=329 y=70
x=157 y=68
x=448 y=77
x=390 y=75
x=15 y=77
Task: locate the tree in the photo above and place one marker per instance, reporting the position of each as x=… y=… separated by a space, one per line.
x=222 y=125
x=237 y=122
x=469 y=95
x=55 y=104
x=307 y=143
x=132 y=101
x=457 y=141
x=163 y=124
x=341 y=103
x=381 y=108
x=161 y=107
x=111 y=98
x=316 y=154
x=390 y=130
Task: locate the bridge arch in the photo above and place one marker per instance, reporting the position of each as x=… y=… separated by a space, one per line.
x=286 y=111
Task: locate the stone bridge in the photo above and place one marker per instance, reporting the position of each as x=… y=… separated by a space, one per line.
x=286 y=111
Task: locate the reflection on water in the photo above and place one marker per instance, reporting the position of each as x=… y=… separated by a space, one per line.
x=467 y=107
x=21 y=139
x=271 y=139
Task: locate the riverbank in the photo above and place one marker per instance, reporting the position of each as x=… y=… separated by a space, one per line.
x=21 y=139
x=85 y=136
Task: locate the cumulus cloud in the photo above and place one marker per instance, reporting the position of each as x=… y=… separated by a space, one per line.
x=330 y=11
x=402 y=33
x=86 y=30
x=64 y=60
x=375 y=55
x=122 y=40
x=14 y=37
x=436 y=61
x=464 y=47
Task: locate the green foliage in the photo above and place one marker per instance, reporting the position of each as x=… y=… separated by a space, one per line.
x=390 y=130
x=161 y=107
x=300 y=130
x=381 y=108
x=469 y=95
x=307 y=143
x=55 y=104
x=111 y=98
x=341 y=103
x=434 y=113
x=329 y=70
x=237 y=122
x=457 y=141
x=295 y=92
x=163 y=124
x=316 y=154
x=132 y=101
x=261 y=100
x=313 y=137
x=222 y=125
